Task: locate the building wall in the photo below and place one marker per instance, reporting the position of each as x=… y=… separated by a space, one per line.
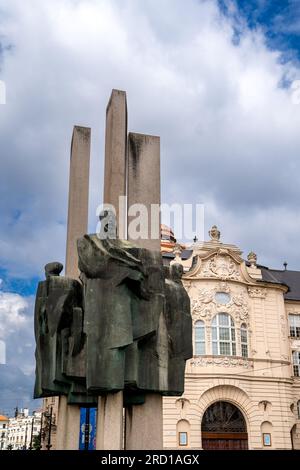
x=262 y=386
x=22 y=429
x=48 y=404
x=3 y=431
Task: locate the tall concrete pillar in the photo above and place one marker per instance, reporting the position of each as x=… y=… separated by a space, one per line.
x=68 y=426
x=144 y=426
x=78 y=196
x=69 y=415
x=115 y=155
x=110 y=422
x=144 y=188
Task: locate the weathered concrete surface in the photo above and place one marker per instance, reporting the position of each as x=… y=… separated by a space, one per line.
x=110 y=422
x=144 y=184
x=115 y=154
x=78 y=195
x=144 y=424
x=68 y=426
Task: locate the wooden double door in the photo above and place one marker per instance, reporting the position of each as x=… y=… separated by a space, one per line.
x=224 y=428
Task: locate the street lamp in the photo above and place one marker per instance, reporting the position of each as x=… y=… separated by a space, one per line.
x=49 y=418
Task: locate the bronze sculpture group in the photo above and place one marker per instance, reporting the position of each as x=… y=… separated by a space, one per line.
x=124 y=325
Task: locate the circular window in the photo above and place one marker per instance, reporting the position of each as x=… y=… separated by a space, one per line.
x=222 y=298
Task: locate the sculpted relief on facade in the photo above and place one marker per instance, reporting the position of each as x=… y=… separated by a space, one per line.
x=221 y=362
x=221 y=267
x=220 y=299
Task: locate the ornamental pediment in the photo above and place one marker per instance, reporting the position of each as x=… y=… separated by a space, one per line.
x=219 y=264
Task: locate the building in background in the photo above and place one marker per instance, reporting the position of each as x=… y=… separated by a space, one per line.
x=242 y=388
x=49 y=423
x=23 y=429
x=3 y=431
x=243 y=383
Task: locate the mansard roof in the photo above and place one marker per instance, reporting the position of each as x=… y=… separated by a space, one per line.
x=287 y=277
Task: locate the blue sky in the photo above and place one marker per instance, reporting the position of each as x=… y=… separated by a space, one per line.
x=279 y=19
x=204 y=75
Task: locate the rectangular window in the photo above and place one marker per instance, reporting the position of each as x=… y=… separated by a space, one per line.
x=243 y=335
x=224 y=349
x=266 y=439
x=214 y=333
x=294 y=321
x=183 y=441
x=244 y=350
x=215 y=348
x=296 y=363
x=224 y=334
x=200 y=348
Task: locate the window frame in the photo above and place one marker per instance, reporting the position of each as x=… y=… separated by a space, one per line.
x=267 y=439
x=186 y=438
x=244 y=329
x=201 y=341
x=294 y=325
x=232 y=335
x=296 y=363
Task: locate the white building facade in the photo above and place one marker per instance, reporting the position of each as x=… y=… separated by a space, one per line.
x=242 y=388
x=3 y=431
x=22 y=430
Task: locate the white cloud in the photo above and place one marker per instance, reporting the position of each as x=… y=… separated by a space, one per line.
x=229 y=132
x=16 y=330
x=12 y=316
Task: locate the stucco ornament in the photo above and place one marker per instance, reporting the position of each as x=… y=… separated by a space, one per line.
x=221 y=362
x=214 y=233
x=206 y=304
x=252 y=258
x=222 y=267
x=257 y=292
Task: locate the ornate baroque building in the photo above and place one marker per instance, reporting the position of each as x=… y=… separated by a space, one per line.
x=242 y=385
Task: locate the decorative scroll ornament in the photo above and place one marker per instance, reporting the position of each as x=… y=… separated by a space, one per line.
x=221 y=266
x=221 y=362
x=257 y=292
x=206 y=304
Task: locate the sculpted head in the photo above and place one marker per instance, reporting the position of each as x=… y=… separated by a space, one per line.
x=53 y=269
x=108 y=227
x=176 y=271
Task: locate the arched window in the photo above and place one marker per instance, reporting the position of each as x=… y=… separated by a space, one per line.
x=296 y=363
x=223 y=335
x=199 y=338
x=244 y=340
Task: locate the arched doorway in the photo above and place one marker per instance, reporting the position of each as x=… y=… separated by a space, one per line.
x=224 y=428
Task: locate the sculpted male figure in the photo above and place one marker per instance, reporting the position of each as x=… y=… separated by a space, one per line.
x=56 y=301
x=179 y=326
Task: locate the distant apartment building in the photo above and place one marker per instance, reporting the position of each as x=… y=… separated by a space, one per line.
x=22 y=430
x=3 y=431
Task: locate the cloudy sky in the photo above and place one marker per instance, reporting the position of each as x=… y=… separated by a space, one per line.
x=213 y=78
